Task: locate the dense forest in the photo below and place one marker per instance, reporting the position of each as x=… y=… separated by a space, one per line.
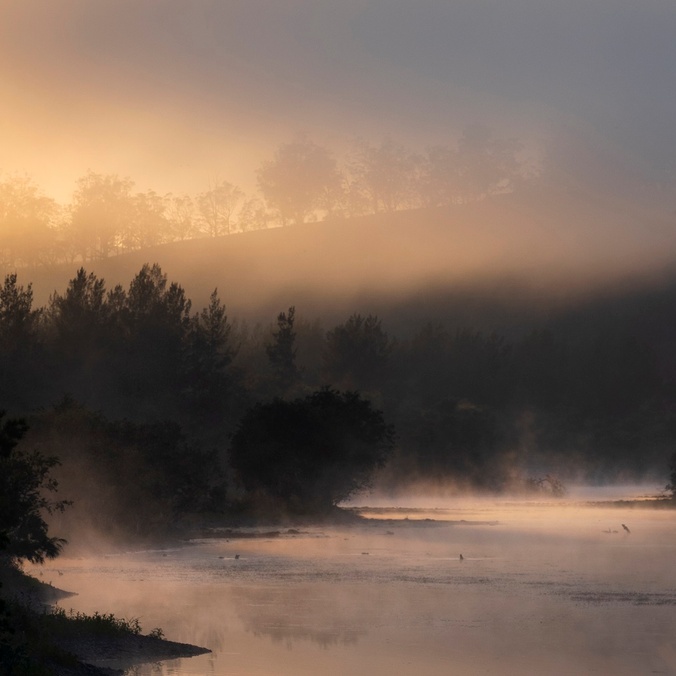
x=151 y=405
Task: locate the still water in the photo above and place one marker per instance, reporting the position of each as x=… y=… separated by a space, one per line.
x=541 y=588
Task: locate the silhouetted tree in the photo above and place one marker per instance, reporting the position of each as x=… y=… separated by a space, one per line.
x=301 y=179
x=385 y=176
x=310 y=342
x=477 y=166
x=282 y=351
x=357 y=353
x=253 y=215
x=128 y=477
x=102 y=207
x=80 y=338
x=18 y=320
x=148 y=224
x=151 y=300
x=209 y=377
x=27 y=223
x=20 y=343
x=217 y=207
x=182 y=219
x=178 y=479
x=311 y=453
x=80 y=311
x=25 y=481
x=156 y=319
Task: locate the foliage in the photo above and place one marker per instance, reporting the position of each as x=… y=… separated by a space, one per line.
x=209 y=351
x=301 y=179
x=357 y=353
x=102 y=206
x=58 y=621
x=18 y=320
x=79 y=315
x=25 y=481
x=181 y=218
x=21 y=342
x=27 y=223
x=217 y=207
x=154 y=323
x=141 y=477
x=157 y=632
x=148 y=224
x=282 y=351
x=312 y=452
x=384 y=177
x=252 y=215
x=178 y=478
x=30 y=646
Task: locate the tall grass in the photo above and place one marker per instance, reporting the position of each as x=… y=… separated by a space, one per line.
x=58 y=620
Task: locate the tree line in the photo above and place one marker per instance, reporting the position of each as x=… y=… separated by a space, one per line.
x=157 y=411
x=302 y=181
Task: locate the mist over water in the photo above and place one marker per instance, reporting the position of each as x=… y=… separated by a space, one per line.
x=543 y=586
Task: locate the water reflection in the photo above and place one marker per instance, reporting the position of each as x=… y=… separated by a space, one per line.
x=297 y=614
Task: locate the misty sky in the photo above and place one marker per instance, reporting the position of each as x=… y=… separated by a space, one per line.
x=176 y=94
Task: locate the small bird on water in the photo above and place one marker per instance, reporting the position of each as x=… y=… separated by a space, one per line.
x=625 y=528
x=462 y=558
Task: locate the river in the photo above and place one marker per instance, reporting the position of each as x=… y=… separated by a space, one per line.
x=425 y=587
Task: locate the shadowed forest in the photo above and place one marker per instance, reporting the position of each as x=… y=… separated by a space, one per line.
x=159 y=411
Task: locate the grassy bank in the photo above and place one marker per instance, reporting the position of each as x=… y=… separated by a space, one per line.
x=38 y=639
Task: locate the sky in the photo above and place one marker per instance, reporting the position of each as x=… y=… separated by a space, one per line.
x=177 y=94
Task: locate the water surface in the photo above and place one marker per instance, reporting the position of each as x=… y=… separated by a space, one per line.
x=542 y=587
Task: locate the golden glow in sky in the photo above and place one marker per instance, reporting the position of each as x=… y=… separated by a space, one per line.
x=174 y=94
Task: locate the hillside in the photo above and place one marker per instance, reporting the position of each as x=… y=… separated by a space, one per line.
x=549 y=245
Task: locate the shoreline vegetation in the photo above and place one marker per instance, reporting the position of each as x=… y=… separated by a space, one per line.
x=44 y=640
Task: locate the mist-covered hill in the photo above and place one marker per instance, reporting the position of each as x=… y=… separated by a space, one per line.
x=545 y=245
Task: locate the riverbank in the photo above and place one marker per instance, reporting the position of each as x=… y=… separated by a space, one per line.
x=95 y=651
x=38 y=640
x=555 y=592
